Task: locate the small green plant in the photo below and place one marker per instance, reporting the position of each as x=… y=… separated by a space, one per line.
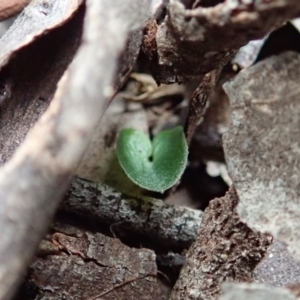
x=154 y=166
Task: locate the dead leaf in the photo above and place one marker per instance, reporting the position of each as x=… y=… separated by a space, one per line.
x=36 y=19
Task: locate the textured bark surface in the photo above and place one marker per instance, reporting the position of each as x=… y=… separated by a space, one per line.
x=83 y=265
x=60 y=64
x=225 y=250
x=38 y=18
x=190 y=42
x=172 y=226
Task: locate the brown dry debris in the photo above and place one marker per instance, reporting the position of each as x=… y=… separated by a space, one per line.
x=91 y=266
x=225 y=250
x=190 y=42
x=61 y=64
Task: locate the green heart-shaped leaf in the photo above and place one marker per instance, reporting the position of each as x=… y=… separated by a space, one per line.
x=156 y=166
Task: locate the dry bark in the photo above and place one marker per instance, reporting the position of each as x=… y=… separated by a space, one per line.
x=34 y=179
x=25 y=94
x=77 y=264
x=225 y=250
x=171 y=226
x=37 y=19
x=44 y=162
x=194 y=41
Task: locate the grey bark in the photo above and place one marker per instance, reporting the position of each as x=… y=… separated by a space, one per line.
x=44 y=162
x=31 y=70
x=172 y=226
x=234 y=291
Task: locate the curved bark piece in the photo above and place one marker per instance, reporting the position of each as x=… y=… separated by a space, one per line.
x=33 y=181
x=29 y=81
x=191 y=42
x=36 y=19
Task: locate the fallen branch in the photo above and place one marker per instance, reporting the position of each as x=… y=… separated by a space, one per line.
x=172 y=226
x=33 y=181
